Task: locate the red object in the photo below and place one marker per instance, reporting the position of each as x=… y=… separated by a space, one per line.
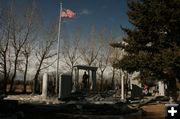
x=68 y=13
x=145 y=86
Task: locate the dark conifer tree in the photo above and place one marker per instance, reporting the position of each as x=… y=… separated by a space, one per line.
x=153 y=44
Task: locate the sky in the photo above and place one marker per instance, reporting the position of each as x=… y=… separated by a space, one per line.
x=101 y=13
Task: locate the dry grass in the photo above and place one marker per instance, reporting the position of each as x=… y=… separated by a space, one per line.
x=19 y=88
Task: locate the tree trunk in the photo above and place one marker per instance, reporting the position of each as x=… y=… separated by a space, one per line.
x=113 y=75
x=14 y=74
x=102 y=79
x=5 y=75
x=35 y=81
x=5 y=83
x=5 y=80
x=112 y=84
x=25 y=73
x=36 y=77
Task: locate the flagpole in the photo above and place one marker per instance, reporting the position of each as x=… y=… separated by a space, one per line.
x=58 y=50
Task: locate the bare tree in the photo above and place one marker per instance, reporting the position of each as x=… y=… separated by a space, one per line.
x=44 y=52
x=4 y=44
x=90 y=48
x=21 y=32
x=32 y=18
x=116 y=54
x=5 y=31
x=15 y=31
x=26 y=52
x=104 y=54
x=112 y=58
x=70 y=50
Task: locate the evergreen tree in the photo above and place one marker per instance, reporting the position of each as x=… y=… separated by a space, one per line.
x=153 y=45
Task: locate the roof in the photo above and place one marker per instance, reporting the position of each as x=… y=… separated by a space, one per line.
x=85 y=67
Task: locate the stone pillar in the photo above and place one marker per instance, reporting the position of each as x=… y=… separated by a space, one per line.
x=88 y=82
x=91 y=80
x=78 y=86
x=45 y=85
x=76 y=81
x=122 y=86
x=94 y=80
x=73 y=80
x=161 y=88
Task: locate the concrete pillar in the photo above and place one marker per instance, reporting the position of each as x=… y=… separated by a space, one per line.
x=78 y=86
x=45 y=85
x=91 y=80
x=60 y=86
x=76 y=81
x=122 y=86
x=161 y=88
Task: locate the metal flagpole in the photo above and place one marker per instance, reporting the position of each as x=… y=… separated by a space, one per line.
x=58 y=49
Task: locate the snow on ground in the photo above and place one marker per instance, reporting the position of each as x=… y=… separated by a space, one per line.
x=33 y=99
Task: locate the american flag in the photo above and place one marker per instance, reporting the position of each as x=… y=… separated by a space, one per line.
x=67 y=13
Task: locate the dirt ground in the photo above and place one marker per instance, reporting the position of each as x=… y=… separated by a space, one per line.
x=154 y=111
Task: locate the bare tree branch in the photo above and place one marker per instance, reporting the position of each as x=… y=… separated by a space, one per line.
x=44 y=52
x=70 y=50
x=90 y=49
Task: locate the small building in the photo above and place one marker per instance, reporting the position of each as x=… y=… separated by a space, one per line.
x=70 y=82
x=92 y=76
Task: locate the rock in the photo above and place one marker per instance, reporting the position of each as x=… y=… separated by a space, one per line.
x=171 y=100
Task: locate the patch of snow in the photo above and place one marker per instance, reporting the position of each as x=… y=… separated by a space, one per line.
x=33 y=99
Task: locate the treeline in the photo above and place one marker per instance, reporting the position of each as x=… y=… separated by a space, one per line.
x=23 y=38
